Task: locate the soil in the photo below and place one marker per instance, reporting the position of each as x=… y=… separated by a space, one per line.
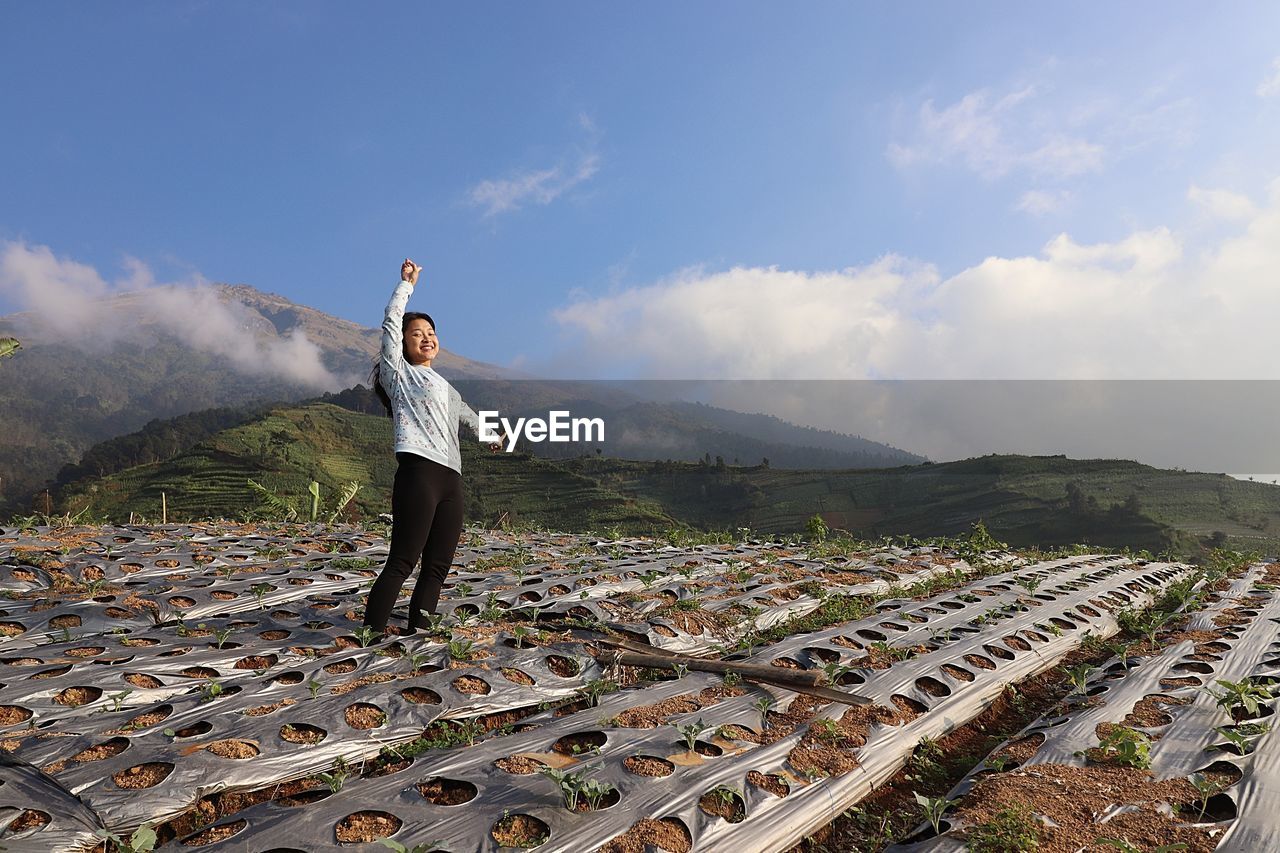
x=366 y=826
x=232 y=749
x=302 y=733
x=579 y=743
x=731 y=808
x=562 y=666
x=339 y=667
x=471 y=686
x=1072 y=797
x=1149 y=713
x=772 y=783
x=420 y=696
x=446 y=792
x=214 y=834
x=256 y=662
x=667 y=834
x=147 y=718
x=52 y=673
x=146 y=682
x=115 y=746
x=143 y=775
x=364 y=716
x=652 y=716
x=263 y=710
x=69 y=620
x=364 y=680
x=516 y=676
x=519 y=765
x=648 y=765
x=29 y=819
x=74 y=697
x=520 y=830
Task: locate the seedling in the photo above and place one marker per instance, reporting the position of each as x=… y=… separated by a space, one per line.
x=1126 y=747
x=1245 y=695
x=1079 y=677
x=763 y=704
x=117 y=699
x=260 y=591
x=649 y=576
x=210 y=690
x=681 y=669
x=366 y=635
x=1030 y=584
x=731 y=679
x=1206 y=788
x=691 y=731
x=337 y=776
x=314 y=686
x=1239 y=741
x=143 y=839
x=463 y=589
x=933 y=808
x=597 y=687
x=460 y=649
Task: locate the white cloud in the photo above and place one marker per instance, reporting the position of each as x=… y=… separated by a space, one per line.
x=1270 y=86
x=1222 y=204
x=89 y=313
x=994 y=136
x=1042 y=202
x=1147 y=305
x=539 y=186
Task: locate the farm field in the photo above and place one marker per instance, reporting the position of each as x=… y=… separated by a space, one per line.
x=208 y=686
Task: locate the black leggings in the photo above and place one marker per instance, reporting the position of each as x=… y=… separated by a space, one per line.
x=426 y=510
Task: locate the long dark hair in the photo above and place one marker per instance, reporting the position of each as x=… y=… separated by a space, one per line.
x=375 y=375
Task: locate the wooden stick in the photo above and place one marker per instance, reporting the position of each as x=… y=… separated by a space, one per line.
x=164 y=509
x=776 y=674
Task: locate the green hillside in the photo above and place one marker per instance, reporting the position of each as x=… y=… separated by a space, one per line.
x=1023 y=500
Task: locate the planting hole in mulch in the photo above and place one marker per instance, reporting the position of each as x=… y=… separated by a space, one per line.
x=563 y=666
x=1187 y=681
x=1224 y=773
x=724 y=803
x=149 y=718
x=256 y=662
x=979 y=661
x=996 y=652
x=115 y=746
x=195 y=730
x=291 y=677
x=302 y=733
x=771 y=782
x=362 y=715
x=667 y=834
x=648 y=765
x=958 y=673
x=579 y=742
x=909 y=708
x=932 y=686
x=74 y=697
x=67 y=620
x=366 y=826
x=420 y=696
x=199 y=672
x=214 y=834
x=340 y=666
x=263 y=710
x=51 y=673
x=29 y=819
x=446 y=792
x=223 y=595
x=387 y=768
x=232 y=749
x=143 y=775
x=516 y=676
x=276 y=634
x=471 y=685
x=519 y=765
x=182 y=601
x=12 y=629
x=651 y=716
x=173 y=653
x=146 y=682
x=520 y=830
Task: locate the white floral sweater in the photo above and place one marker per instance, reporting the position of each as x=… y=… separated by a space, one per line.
x=425 y=408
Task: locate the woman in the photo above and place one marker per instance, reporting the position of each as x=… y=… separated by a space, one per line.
x=426 y=500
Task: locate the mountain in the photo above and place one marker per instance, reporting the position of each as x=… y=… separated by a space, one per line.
x=1025 y=500
x=138 y=359
x=163 y=352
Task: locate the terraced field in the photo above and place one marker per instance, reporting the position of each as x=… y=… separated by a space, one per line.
x=209 y=683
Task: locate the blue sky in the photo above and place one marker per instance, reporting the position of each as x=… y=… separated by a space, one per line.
x=705 y=189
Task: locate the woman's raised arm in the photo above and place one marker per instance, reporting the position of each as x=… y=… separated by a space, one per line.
x=393 y=318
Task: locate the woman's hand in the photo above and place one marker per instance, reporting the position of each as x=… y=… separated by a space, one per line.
x=409 y=271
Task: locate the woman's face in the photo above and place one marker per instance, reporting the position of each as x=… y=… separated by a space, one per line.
x=420 y=343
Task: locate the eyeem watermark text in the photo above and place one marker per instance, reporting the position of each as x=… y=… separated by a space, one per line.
x=560 y=426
